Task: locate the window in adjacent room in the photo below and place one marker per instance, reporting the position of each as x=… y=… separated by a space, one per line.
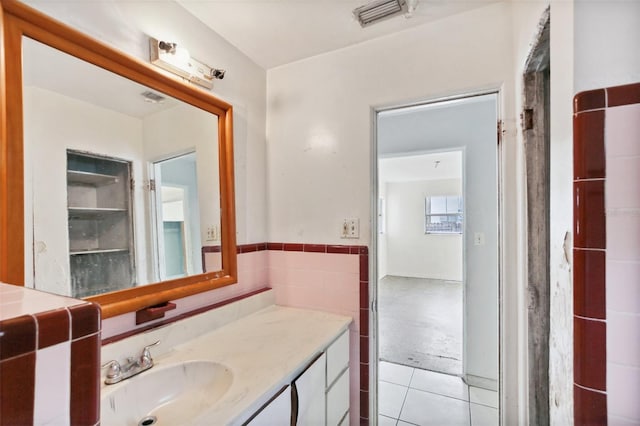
x=443 y=214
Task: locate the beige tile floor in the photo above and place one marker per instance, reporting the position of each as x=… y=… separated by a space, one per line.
x=411 y=396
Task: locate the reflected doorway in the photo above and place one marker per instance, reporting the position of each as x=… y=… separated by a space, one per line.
x=177 y=217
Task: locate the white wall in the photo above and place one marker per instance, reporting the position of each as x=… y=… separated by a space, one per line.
x=127 y=25
x=607 y=41
x=53 y=124
x=411 y=252
x=319 y=126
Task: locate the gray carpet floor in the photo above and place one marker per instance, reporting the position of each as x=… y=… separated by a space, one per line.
x=420 y=323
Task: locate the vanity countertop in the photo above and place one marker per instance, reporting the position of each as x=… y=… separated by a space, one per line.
x=264 y=351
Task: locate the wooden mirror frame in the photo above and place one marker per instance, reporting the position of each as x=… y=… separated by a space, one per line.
x=18 y=21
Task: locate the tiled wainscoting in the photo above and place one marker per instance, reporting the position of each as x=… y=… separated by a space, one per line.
x=332 y=278
x=49 y=359
x=607 y=256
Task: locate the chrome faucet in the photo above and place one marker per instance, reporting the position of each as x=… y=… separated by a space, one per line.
x=117 y=373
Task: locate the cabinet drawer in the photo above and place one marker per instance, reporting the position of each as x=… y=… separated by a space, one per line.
x=276 y=411
x=337 y=357
x=338 y=399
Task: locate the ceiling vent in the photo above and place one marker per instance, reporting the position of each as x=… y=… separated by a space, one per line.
x=379 y=10
x=152 y=98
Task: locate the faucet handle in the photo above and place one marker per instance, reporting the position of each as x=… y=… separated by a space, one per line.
x=146 y=354
x=114 y=369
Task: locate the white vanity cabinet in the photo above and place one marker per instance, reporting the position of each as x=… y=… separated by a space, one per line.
x=337 y=382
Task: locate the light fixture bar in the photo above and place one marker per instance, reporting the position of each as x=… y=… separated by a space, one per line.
x=379 y=10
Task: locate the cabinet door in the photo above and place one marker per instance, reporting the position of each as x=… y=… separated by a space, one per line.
x=338 y=399
x=276 y=412
x=310 y=390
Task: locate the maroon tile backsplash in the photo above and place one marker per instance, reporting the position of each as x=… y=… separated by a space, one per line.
x=17 y=389
x=623 y=95
x=588 y=153
x=589 y=291
x=53 y=327
x=20 y=342
x=590 y=250
x=588 y=213
x=590 y=407
x=18 y=336
x=590 y=341
x=592 y=99
x=85 y=320
x=85 y=380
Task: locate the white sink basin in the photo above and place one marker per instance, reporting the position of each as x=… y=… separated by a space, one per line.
x=173 y=394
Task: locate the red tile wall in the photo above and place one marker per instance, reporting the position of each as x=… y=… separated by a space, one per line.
x=590 y=249
x=20 y=339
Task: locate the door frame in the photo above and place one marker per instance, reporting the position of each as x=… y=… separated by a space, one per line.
x=373 y=249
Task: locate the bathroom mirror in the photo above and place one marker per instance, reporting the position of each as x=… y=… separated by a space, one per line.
x=118 y=183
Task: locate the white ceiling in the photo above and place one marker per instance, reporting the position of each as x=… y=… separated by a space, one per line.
x=436 y=166
x=277 y=32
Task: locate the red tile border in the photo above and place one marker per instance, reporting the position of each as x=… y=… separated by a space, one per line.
x=364 y=267
x=589 y=290
x=364 y=407
x=588 y=145
x=315 y=248
x=211 y=249
x=623 y=95
x=53 y=327
x=275 y=246
x=339 y=249
x=590 y=408
x=589 y=214
x=293 y=247
x=85 y=381
x=17 y=390
x=590 y=349
x=249 y=248
x=364 y=375
x=18 y=336
x=364 y=322
x=592 y=99
x=85 y=320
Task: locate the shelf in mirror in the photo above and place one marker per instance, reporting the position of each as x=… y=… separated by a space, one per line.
x=97 y=251
x=90 y=178
x=93 y=212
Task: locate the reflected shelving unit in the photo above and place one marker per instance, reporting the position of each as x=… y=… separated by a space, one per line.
x=101 y=254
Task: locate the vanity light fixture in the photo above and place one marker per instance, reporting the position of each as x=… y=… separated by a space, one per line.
x=176 y=59
x=379 y=10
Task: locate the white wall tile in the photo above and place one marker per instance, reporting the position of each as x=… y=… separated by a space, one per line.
x=623 y=286
x=623 y=339
x=52 y=385
x=623 y=388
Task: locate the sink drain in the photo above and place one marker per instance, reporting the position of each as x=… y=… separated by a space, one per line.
x=148 y=421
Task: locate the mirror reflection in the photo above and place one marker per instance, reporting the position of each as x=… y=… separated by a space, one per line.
x=121 y=182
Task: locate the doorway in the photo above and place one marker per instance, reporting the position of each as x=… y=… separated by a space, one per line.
x=177 y=217
x=436 y=275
